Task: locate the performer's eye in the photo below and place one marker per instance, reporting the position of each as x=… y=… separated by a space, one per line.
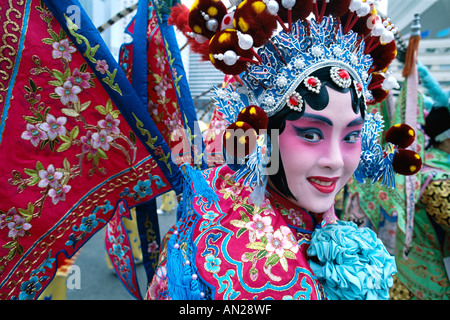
x=352 y=137
x=309 y=134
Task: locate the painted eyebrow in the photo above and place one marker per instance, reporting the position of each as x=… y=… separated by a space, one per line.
x=318 y=118
x=356 y=122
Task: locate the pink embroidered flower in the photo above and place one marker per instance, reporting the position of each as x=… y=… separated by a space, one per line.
x=68 y=92
x=110 y=124
x=163 y=86
x=101 y=139
x=34 y=134
x=152 y=247
x=277 y=242
x=62 y=49
x=159 y=151
x=49 y=177
x=79 y=78
x=54 y=126
x=260 y=225
x=296 y=217
x=287 y=234
x=101 y=66
x=87 y=143
x=161 y=62
x=159 y=285
x=59 y=193
x=17 y=227
x=7 y=218
x=32 y=96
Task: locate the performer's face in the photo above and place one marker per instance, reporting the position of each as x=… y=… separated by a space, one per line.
x=320 y=152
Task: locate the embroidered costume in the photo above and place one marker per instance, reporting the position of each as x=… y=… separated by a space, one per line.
x=82 y=165
x=245 y=240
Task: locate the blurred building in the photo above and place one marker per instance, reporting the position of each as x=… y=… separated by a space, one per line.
x=434 y=49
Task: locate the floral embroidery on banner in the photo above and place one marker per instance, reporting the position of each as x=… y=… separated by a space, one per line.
x=57 y=128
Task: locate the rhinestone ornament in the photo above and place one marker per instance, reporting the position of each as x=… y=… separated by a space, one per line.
x=295 y=102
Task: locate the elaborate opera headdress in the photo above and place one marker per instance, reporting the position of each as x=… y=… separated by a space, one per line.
x=273 y=46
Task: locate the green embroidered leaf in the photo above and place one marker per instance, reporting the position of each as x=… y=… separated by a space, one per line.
x=53 y=34
x=33 y=85
x=101 y=109
x=30 y=172
x=109 y=106
x=19 y=249
x=261 y=254
x=248 y=207
x=249 y=256
x=70 y=112
x=67 y=73
x=272 y=260
x=115 y=114
x=46 y=112
x=240 y=232
x=55 y=83
x=289 y=254
x=54 y=95
x=74 y=133
x=48 y=41
x=132 y=136
x=256 y=246
x=9 y=245
x=102 y=153
x=35 y=180
x=66 y=139
x=39 y=166
x=58 y=75
x=83 y=67
x=238 y=223
x=31 y=119
x=84 y=106
x=66 y=164
x=62 y=34
x=64 y=146
x=27 y=213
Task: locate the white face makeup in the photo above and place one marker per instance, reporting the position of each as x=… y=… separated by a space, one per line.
x=320 y=152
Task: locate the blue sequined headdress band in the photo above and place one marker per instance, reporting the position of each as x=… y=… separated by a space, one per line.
x=289 y=58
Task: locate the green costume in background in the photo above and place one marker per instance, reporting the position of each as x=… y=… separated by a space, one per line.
x=421 y=271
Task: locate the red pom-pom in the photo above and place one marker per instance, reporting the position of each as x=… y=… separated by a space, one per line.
x=406 y=162
x=301 y=10
x=378 y=96
x=224 y=43
x=239 y=139
x=254 y=116
x=205 y=17
x=251 y=17
x=337 y=8
x=383 y=55
x=401 y=135
x=378 y=93
x=362 y=26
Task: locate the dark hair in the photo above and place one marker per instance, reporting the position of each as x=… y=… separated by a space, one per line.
x=317 y=101
x=437 y=122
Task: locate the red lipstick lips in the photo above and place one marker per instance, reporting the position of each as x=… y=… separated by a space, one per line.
x=323 y=184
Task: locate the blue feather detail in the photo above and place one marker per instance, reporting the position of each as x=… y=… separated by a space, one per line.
x=375 y=163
